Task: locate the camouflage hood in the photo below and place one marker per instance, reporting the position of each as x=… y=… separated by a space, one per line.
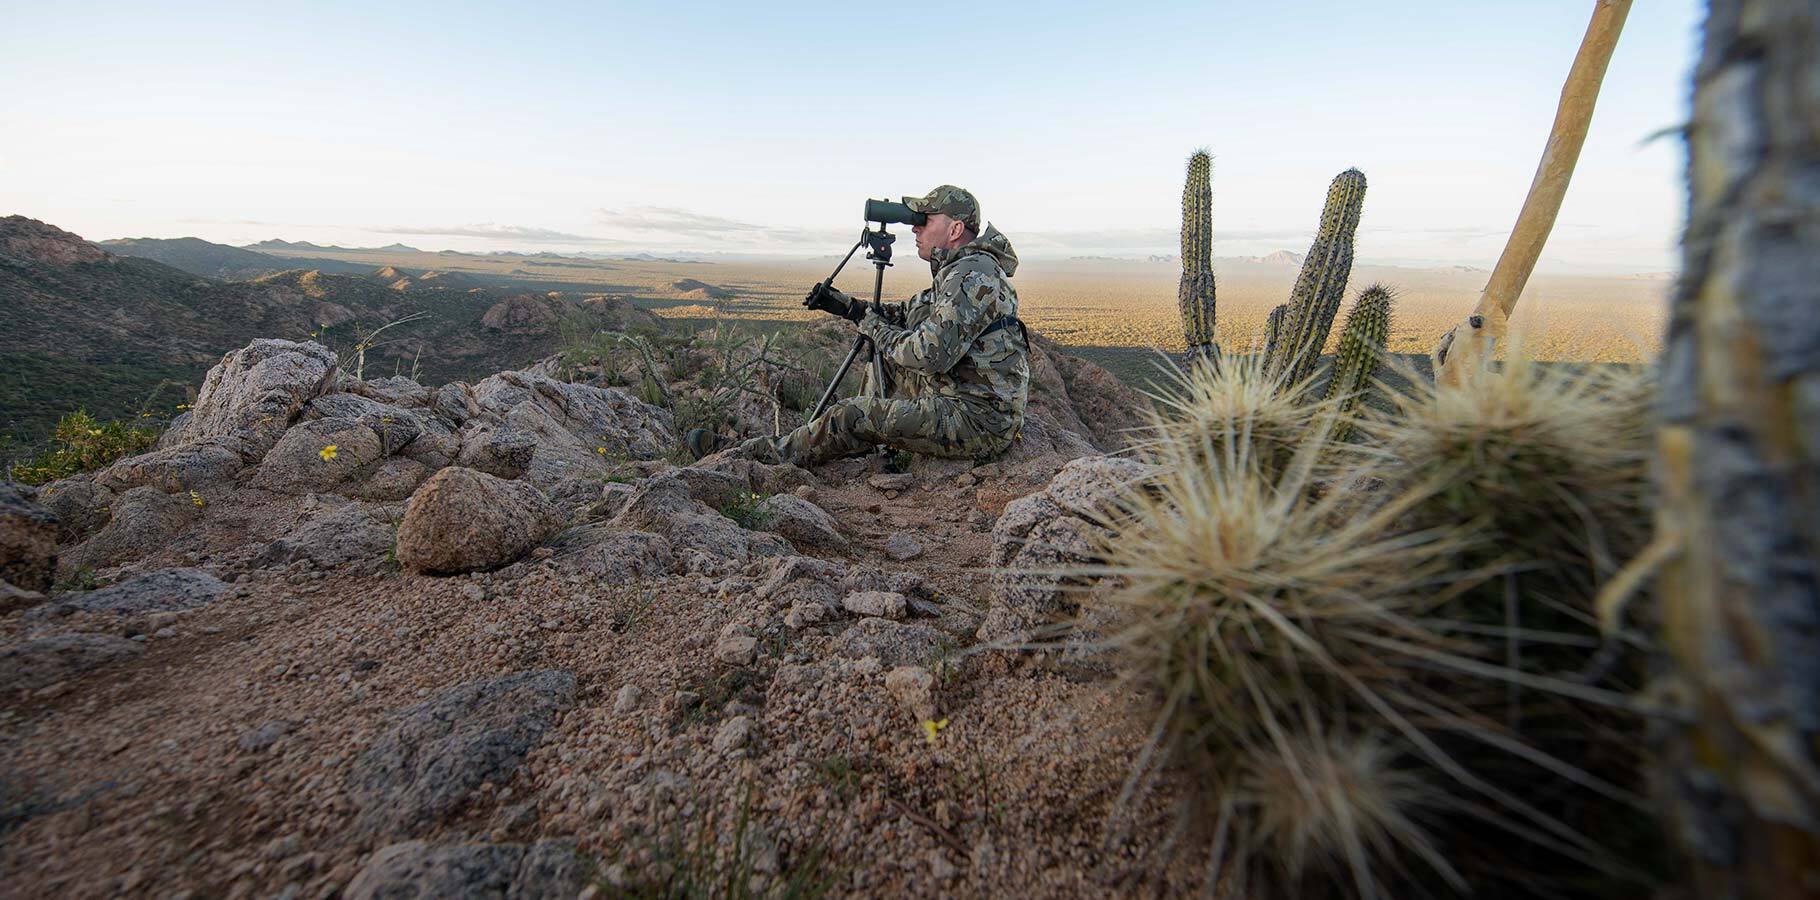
x=991 y=242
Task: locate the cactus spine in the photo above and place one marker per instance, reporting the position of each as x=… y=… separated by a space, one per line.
x=1196 y=291
x=1322 y=282
x=1362 y=344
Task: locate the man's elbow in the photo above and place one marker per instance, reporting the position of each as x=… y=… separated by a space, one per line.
x=925 y=361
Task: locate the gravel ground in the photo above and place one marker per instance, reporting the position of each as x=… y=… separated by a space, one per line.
x=224 y=759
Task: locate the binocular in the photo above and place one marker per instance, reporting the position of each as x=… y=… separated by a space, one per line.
x=886 y=212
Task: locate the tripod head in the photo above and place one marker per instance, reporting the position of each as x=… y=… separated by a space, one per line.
x=878 y=245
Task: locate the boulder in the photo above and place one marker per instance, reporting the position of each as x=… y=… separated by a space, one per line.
x=614 y=556
x=573 y=423
x=461 y=520
x=714 y=488
x=81 y=506
x=801 y=522
x=250 y=397
x=28 y=541
x=179 y=469
x=437 y=445
x=145 y=520
x=663 y=505
x=44 y=661
x=353 y=533
x=415 y=870
x=572 y=495
x=504 y=454
x=396 y=478
x=395 y=426
x=656 y=502
x=432 y=756
x=455 y=403
x=1040 y=537
x=760 y=477
x=1090 y=487
x=393 y=390
x=297 y=463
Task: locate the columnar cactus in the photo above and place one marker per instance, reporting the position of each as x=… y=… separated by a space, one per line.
x=1362 y=344
x=1196 y=290
x=1322 y=282
x=1273 y=329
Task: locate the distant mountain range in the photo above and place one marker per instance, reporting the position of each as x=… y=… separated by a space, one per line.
x=211 y=260
x=90 y=325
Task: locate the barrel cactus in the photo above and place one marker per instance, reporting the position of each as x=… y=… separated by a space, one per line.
x=1322 y=282
x=1196 y=292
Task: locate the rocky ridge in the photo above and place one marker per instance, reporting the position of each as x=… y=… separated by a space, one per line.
x=488 y=639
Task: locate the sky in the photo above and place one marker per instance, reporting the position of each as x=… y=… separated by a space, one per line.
x=673 y=128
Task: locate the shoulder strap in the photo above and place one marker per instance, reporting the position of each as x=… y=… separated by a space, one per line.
x=1007 y=322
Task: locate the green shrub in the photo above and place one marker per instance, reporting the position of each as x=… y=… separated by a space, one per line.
x=745 y=509
x=81 y=444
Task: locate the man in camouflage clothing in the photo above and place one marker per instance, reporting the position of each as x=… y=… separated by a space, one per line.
x=955 y=353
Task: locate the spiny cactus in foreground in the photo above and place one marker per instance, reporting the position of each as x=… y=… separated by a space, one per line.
x=1197 y=289
x=1322 y=282
x=1361 y=350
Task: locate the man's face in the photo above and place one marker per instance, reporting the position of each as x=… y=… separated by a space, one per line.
x=939 y=232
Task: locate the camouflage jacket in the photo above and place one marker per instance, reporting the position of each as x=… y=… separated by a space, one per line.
x=937 y=341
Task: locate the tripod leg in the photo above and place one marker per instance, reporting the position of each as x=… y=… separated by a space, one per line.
x=828 y=395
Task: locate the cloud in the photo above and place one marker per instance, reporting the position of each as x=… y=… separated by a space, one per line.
x=673 y=225
x=670 y=220
x=237 y=222
x=496 y=232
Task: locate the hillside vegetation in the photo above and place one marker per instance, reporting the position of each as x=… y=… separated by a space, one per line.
x=85 y=328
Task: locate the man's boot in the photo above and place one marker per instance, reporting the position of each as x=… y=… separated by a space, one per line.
x=700 y=442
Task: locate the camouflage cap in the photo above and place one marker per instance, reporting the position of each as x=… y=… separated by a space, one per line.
x=954 y=202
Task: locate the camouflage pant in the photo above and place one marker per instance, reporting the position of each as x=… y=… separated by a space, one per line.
x=938 y=426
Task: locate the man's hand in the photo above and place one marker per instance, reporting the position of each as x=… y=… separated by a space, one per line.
x=829 y=300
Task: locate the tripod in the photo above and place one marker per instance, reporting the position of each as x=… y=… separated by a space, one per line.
x=878 y=249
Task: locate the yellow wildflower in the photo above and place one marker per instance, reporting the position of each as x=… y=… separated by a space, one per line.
x=196 y=498
x=601 y=450
x=931 y=728
x=328 y=453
